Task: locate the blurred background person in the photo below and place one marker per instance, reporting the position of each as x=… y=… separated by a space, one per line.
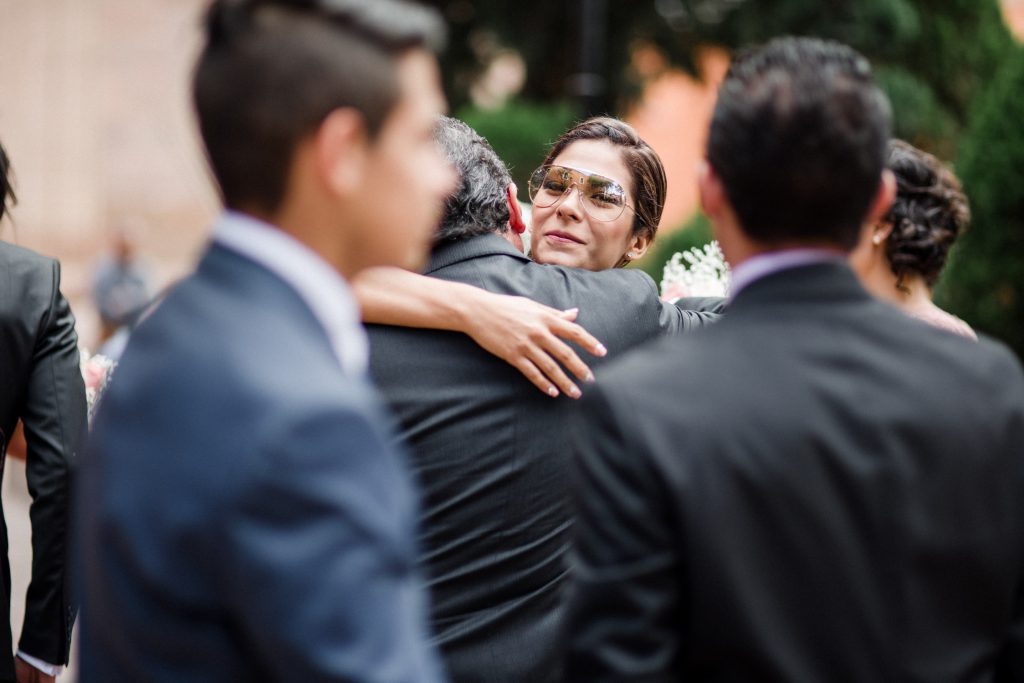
x=121 y=291
x=43 y=388
x=900 y=258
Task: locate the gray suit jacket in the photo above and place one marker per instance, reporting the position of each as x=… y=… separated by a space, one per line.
x=243 y=516
x=490 y=453
x=819 y=488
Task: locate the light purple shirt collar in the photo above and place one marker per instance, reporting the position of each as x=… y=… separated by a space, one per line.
x=771 y=262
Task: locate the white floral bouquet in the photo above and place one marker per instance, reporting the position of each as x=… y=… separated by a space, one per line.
x=96 y=371
x=700 y=271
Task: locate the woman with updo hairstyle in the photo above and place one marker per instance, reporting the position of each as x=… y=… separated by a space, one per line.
x=900 y=258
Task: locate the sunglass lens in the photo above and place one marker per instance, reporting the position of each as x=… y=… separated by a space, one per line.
x=605 y=198
x=548 y=184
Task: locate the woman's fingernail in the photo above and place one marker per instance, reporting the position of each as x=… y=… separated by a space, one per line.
x=552 y=392
x=600 y=349
x=575 y=392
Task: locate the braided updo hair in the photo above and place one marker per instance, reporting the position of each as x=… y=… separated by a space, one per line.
x=930 y=211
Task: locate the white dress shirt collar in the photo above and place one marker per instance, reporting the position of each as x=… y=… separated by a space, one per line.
x=768 y=263
x=316 y=282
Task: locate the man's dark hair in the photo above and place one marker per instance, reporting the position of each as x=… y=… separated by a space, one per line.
x=6 y=191
x=479 y=206
x=273 y=70
x=929 y=213
x=798 y=139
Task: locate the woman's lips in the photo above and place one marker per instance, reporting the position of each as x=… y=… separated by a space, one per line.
x=562 y=237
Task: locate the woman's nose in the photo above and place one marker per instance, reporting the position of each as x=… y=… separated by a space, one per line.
x=571 y=205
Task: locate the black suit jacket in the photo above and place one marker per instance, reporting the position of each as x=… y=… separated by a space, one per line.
x=42 y=387
x=490 y=453
x=819 y=488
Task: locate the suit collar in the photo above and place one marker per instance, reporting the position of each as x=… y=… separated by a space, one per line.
x=817 y=283
x=322 y=289
x=450 y=253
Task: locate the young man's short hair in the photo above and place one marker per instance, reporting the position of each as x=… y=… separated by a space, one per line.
x=272 y=70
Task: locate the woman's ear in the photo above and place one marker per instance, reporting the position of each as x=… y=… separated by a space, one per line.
x=515 y=212
x=638 y=245
x=880 y=232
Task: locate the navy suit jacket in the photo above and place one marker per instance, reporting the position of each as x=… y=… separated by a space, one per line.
x=243 y=516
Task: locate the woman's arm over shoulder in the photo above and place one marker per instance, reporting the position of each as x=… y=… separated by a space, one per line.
x=526 y=334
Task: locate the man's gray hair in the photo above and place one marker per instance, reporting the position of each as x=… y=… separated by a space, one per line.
x=479 y=206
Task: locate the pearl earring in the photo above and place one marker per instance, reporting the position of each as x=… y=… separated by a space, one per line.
x=877 y=239
x=631 y=255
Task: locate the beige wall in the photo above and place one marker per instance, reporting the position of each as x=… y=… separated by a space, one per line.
x=94 y=113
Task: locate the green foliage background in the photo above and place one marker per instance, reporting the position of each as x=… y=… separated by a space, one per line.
x=521 y=133
x=985 y=280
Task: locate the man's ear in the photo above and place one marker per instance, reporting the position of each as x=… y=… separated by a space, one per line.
x=515 y=212
x=341 y=146
x=884 y=198
x=713 y=199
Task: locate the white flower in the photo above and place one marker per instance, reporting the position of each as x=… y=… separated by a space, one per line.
x=696 y=272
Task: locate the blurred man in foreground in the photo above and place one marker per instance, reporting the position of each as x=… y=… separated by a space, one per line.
x=242 y=512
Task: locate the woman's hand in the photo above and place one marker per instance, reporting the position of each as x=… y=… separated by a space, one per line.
x=529 y=336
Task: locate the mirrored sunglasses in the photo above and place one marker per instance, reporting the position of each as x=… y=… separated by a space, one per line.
x=602 y=198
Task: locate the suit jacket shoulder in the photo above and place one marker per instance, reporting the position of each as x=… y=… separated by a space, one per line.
x=621 y=307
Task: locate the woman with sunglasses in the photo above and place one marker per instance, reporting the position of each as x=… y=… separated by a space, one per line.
x=612 y=218
x=597 y=200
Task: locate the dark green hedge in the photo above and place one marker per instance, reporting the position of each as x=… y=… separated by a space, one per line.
x=985 y=281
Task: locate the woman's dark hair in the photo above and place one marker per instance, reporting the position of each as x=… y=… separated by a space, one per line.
x=272 y=70
x=644 y=164
x=929 y=213
x=6 y=191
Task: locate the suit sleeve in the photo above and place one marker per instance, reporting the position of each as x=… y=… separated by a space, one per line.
x=703 y=304
x=623 y=603
x=1010 y=662
x=54 y=419
x=321 y=560
x=677 y=319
